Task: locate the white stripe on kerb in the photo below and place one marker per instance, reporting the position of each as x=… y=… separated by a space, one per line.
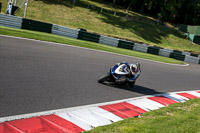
x=146 y=103
x=77 y=121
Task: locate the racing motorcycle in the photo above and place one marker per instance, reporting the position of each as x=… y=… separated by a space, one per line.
x=119 y=74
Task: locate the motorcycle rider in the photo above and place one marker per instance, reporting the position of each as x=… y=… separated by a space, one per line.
x=133 y=71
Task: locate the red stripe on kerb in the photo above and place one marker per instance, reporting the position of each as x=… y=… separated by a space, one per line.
x=135 y=108
x=64 y=123
x=7 y=128
x=187 y=95
x=43 y=124
x=162 y=100
x=120 y=110
x=1 y=127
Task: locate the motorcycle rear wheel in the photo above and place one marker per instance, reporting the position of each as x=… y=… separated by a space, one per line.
x=103 y=78
x=132 y=84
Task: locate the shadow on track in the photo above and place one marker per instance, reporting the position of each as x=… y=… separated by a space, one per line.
x=136 y=88
x=144 y=90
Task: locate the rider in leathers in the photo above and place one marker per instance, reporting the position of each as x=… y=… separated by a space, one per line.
x=133 y=72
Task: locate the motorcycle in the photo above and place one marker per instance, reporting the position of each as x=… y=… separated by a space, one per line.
x=119 y=75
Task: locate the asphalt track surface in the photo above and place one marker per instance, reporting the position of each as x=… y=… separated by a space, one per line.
x=37 y=76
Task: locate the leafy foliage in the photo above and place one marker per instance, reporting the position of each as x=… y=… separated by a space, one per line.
x=176 y=11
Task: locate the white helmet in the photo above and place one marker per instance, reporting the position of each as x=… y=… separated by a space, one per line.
x=134 y=68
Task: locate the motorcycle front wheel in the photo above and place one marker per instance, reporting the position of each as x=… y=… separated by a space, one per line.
x=132 y=84
x=103 y=78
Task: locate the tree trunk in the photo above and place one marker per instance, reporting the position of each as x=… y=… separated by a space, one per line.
x=114 y=2
x=141 y=10
x=74 y=1
x=129 y=6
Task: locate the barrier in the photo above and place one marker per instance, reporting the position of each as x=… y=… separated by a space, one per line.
x=83 y=35
x=109 y=41
x=191 y=59
x=183 y=28
x=64 y=31
x=36 y=25
x=196 y=39
x=140 y=47
x=192 y=29
x=165 y=52
x=153 y=50
x=177 y=56
x=186 y=53
x=195 y=55
x=190 y=36
x=10 y=21
x=177 y=52
x=125 y=44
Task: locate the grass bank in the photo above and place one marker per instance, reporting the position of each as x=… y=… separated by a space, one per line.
x=62 y=13
x=177 y=118
x=81 y=43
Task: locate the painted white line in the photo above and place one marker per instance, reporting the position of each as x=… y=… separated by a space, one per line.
x=185 y=64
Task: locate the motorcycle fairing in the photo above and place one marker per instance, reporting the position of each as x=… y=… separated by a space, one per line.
x=119 y=70
x=135 y=77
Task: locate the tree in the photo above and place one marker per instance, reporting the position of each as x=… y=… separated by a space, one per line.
x=74 y=1
x=181 y=11
x=114 y=2
x=130 y=4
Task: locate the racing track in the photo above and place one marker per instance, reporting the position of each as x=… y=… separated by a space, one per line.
x=37 y=76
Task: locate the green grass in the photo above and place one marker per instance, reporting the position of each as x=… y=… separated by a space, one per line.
x=177 y=118
x=81 y=43
x=62 y=13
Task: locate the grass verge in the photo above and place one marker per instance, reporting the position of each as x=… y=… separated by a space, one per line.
x=177 y=118
x=81 y=43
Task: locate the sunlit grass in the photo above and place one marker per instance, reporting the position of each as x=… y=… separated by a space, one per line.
x=177 y=118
